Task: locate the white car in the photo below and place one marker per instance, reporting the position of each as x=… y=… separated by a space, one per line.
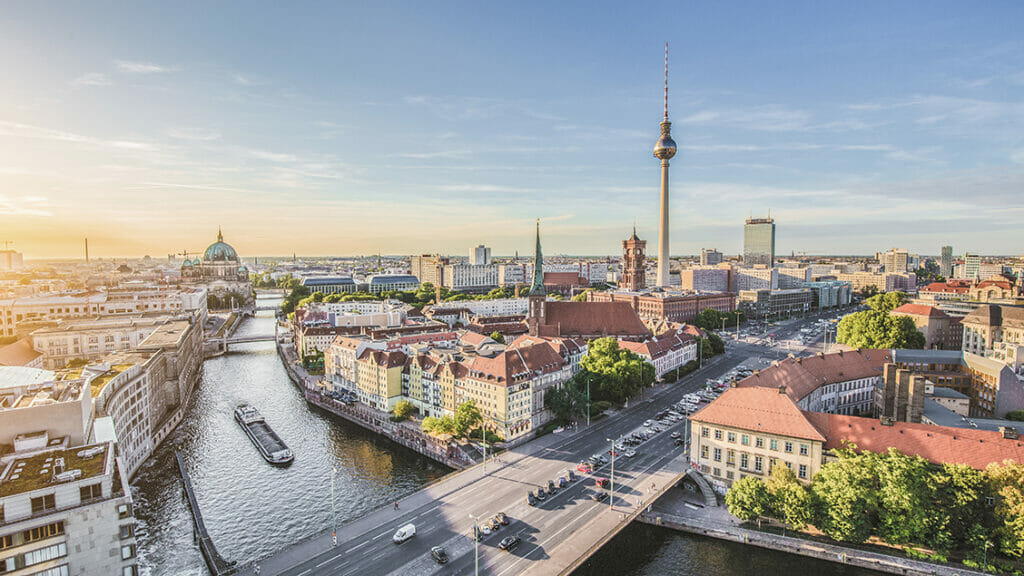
x=647 y=423
x=404 y=533
x=629 y=453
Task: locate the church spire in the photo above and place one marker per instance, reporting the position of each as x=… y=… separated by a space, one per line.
x=220 y=237
x=537 y=288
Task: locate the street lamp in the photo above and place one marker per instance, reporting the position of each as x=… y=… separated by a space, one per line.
x=476 y=546
x=588 y=400
x=611 y=492
x=334 y=517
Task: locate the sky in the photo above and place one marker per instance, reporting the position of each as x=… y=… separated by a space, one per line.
x=348 y=128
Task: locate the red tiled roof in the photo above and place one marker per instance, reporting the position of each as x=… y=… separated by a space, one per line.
x=382 y=358
x=564 y=279
x=473 y=338
x=801 y=376
x=921 y=310
x=956 y=287
x=763 y=410
x=594 y=318
x=515 y=365
x=937 y=444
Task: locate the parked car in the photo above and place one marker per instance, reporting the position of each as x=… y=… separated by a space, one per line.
x=501 y=517
x=604 y=459
x=509 y=543
x=541 y=495
x=571 y=475
x=562 y=482
x=603 y=482
x=675 y=435
x=584 y=467
x=551 y=487
x=531 y=499
x=439 y=554
x=647 y=423
x=629 y=453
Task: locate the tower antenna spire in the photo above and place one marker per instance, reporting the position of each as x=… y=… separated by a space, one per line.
x=666 y=81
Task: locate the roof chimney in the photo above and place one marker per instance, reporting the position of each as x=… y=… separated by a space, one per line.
x=887 y=420
x=840 y=353
x=782 y=389
x=1009 y=433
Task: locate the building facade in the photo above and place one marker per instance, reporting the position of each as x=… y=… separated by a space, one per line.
x=710 y=257
x=759 y=242
x=633 y=272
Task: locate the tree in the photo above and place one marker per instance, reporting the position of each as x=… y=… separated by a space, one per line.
x=467 y=415
x=403 y=409
x=497 y=337
x=844 y=496
x=887 y=301
x=717 y=346
x=905 y=498
x=582 y=296
x=566 y=401
x=708 y=319
x=748 y=499
x=614 y=373
x=1015 y=415
x=877 y=329
x=1006 y=481
x=869 y=290
x=957 y=512
x=705 y=349
x=443 y=426
x=790 y=501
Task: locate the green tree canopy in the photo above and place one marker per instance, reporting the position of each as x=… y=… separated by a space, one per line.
x=615 y=374
x=403 y=409
x=566 y=402
x=844 y=497
x=748 y=499
x=467 y=416
x=877 y=329
x=1006 y=480
x=790 y=501
x=887 y=301
x=443 y=426
x=497 y=337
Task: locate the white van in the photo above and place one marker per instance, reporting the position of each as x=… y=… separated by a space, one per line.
x=404 y=533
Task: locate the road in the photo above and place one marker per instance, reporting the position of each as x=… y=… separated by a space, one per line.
x=560 y=529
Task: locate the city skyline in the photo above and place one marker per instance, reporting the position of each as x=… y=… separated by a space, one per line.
x=410 y=130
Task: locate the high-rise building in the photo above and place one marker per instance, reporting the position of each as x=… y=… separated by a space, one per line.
x=480 y=256
x=946 y=262
x=972 y=266
x=894 y=260
x=759 y=242
x=710 y=257
x=664 y=150
x=10 y=260
x=633 y=263
x=428 y=268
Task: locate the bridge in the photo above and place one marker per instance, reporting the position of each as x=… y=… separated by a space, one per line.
x=558 y=535
x=223 y=343
x=214 y=561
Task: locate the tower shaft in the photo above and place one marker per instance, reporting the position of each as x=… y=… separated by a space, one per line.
x=663 y=255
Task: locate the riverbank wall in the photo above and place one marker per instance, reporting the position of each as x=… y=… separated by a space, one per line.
x=799 y=546
x=373 y=420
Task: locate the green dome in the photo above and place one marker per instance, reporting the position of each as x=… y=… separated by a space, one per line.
x=220 y=251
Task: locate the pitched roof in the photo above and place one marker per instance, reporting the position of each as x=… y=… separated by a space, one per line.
x=995 y=315
x=19 y=353
x=594 y=318
x=937 y=444
x=386 y=359
x=517 y=365
x=920 y=310
x=760 y=410
x=803 y=375
x=947 y=287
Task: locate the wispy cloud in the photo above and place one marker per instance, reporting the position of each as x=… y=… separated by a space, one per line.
x=136 y=67
x=195 y=134
x=23 y=206
x=452 y=154
x=91 y=79
x=35 y=132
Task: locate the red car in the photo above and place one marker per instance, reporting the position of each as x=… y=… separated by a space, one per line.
x=613 y=452
x=583 y=467
x=603 y=483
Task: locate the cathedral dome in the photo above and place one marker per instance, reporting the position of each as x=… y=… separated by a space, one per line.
x=220 y=251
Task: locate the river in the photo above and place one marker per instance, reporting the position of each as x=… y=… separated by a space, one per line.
x=252 y=508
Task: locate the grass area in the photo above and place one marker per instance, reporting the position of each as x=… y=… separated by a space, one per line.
x=227 y=324
x=101 y=381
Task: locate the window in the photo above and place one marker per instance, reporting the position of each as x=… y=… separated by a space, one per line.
x=729 y=474
x=718 y=455
x=730 y=458
x=123 y=511
x=803 y=449
x=6 y=541
x=759 y=442
x=33 y=534
x=717 y=472
x=744 y=461
x=127 y=531
x=774 y=444
x=718 y=434
x=130 y=571
x=745 y=440
x=43 y=503
x=91 y=491
x=703 y=451
x=703 y=431
x=803 y=471
x=789 y=447
x=46 y=554
x=757 y=463
x=127 y=552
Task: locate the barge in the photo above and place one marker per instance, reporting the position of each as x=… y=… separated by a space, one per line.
x=263 y=436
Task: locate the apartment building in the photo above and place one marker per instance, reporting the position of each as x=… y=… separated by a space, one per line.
x=67 y=510
x=91 y=340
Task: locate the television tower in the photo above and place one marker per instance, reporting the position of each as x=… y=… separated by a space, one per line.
x=664 y=150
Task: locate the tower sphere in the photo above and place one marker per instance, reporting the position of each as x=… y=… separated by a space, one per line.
x=666 y=146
